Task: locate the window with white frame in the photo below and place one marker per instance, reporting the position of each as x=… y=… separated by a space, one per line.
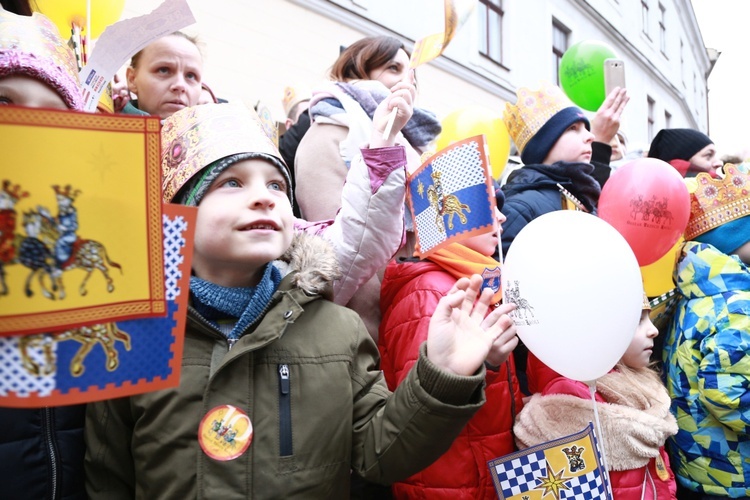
x=560 y=35
x=644 y=17
x=491 y=29
x=650 y=123
x=667 y=119
x=682 y=63
x=663 y=29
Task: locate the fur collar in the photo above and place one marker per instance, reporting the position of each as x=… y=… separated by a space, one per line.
x=636 y=420
x=313 y=263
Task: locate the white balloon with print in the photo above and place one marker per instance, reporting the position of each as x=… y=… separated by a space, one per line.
x=578 y=292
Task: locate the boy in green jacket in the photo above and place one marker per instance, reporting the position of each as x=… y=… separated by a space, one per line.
x=281 y=395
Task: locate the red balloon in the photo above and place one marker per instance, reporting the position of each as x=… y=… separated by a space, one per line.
x=647 y=201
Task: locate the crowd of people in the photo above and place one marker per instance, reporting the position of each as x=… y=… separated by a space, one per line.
x=367 y=372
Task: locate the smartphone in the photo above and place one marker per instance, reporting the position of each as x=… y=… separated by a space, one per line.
x=614 y=75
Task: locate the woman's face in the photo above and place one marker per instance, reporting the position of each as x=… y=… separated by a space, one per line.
x=392 y=72
x=168 y=76
x=22 y=90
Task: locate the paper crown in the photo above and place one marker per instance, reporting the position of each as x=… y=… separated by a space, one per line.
x=32 y=46
x=532 y=110
x=714 y=202
x=197 y=136
x=292 y=97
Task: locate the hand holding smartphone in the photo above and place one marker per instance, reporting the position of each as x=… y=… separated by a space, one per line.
x=614 y=75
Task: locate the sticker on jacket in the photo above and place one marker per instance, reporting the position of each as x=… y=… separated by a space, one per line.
x=225 y=433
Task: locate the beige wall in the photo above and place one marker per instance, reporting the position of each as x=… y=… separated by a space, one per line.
x=254 y=48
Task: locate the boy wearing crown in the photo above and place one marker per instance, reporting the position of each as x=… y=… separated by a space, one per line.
x=707 y=350
x=565 y=162
x=280 y=394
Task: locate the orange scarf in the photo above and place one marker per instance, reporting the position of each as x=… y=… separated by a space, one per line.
x=460 y=261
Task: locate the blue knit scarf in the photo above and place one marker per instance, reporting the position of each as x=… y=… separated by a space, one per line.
x=243 y=304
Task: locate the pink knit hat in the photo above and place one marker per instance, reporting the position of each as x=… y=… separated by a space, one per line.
x=32 y=46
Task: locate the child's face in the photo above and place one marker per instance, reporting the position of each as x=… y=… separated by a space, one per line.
x=392 y=72
x=744 y=253
x=617 y=152
x=705 y=160
x=26 y=91
x=168 y=76
x=639 y=351
x=574 y=145
x=244 y=221
x=486 y=244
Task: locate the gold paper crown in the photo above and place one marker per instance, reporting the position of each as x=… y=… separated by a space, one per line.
x=714 y=202
x=292 y=97
x=32 y=45
x=195 y=137
x=532 y=110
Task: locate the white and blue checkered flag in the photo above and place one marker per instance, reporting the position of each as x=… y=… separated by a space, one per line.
x=451 y=196
x=563 y=469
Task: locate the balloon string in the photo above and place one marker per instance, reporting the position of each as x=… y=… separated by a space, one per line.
x=592 y=391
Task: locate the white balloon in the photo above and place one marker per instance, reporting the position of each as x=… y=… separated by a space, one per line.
x=578 y=292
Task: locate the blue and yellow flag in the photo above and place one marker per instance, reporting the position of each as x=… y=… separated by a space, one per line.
x=451 y=196
x=563 y=469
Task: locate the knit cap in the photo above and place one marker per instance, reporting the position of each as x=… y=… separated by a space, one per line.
x=538 y=119
x=32 y=46
x=678 y=144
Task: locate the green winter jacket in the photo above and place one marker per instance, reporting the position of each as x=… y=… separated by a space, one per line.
x=307 y=374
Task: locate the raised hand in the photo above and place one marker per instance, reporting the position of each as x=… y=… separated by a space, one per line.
x=606 y=121
x=507 y=341
x=459 y=337
x=402 y=100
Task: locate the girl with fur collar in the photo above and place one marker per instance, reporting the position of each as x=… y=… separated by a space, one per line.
x=633 y=407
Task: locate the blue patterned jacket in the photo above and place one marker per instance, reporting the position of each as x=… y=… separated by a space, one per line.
x=707 y=364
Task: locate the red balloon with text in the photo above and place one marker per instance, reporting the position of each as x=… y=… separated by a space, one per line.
x=647 y=201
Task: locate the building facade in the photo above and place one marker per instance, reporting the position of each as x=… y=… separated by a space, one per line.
x=254 y=48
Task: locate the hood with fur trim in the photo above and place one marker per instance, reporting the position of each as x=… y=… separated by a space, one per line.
x=313 y=260
x=636 y=420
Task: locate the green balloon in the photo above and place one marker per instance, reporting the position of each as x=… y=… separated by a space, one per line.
x=582 y=73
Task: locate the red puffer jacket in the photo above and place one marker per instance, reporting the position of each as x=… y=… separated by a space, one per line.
x=409 y=295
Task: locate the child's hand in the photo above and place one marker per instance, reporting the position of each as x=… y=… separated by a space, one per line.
x=507 y=341
x=401 y=98
x=459 y=338
x=120 y=93
x=606 y=121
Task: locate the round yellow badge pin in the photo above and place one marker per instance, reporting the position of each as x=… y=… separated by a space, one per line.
x=225 y=433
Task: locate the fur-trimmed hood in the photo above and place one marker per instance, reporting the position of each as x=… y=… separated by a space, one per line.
x=314 y=261
x=636 y=420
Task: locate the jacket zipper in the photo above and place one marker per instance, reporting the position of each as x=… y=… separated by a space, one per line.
x=285 y=413
x=51 y=449
x=216 y=333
